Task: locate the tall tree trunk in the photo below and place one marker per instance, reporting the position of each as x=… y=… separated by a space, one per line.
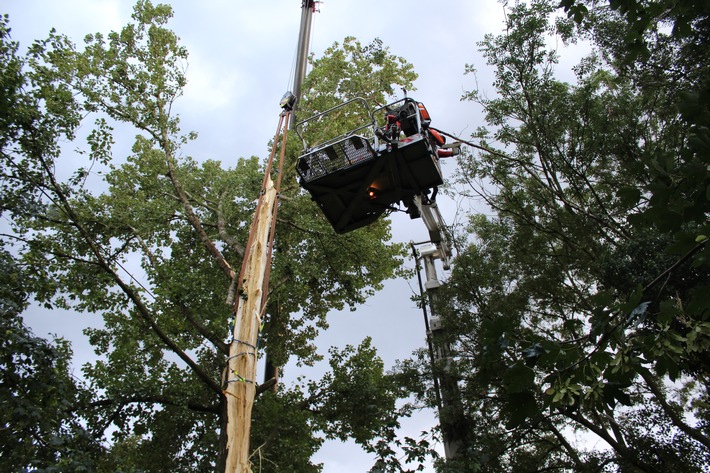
x=271 y=371
x=222 y=452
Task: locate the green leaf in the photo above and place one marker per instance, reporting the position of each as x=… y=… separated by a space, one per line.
x=667 y=312
x=520 y=407
x=518 y=378
x=634 y=301
x=629 y=196
x=566 y=4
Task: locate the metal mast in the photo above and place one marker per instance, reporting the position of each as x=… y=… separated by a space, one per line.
x=304 y=40
x=308 y=7
x=448 y=396
x=289 y=102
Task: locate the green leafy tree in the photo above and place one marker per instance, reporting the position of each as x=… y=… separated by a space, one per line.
x=149 y=241
x=37 y=392
x=686 y=18
x=584 y=293
x=346 y=73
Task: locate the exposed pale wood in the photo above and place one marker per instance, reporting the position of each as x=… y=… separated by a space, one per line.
x=241 y=376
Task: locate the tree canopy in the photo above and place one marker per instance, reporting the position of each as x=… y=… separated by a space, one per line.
x=578 y=305
x=578 y=300
x=148 y=243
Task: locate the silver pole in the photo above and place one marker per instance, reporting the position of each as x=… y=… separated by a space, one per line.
x=451 y=415
x=304 y=39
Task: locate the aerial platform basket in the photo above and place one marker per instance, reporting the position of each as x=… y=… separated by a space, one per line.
x=361 y=174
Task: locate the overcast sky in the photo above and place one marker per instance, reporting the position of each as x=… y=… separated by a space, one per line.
x=241 y=57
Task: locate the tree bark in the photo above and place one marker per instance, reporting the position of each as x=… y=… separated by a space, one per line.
x=222 y=448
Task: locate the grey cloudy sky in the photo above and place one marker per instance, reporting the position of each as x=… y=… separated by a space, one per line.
x=241 y=58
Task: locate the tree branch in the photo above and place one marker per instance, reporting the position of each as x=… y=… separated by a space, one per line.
x=127 y=289
x=266 y=386
x=204 y=331
x=619 y=448
x=222 y=229
x=682 y=260
x=677 y=419
x=194 y=220
x=157 y=399
x=571 y=451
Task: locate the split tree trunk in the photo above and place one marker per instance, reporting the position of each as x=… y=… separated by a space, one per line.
x=241 y=370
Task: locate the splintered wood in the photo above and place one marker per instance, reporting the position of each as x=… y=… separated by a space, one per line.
x=241 y=375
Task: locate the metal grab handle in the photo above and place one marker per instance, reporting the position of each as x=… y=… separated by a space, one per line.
x=397 y=103
x=299 y=125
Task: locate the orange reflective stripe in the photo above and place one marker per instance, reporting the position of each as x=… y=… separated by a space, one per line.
x=423 y=111
x=437 y=136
